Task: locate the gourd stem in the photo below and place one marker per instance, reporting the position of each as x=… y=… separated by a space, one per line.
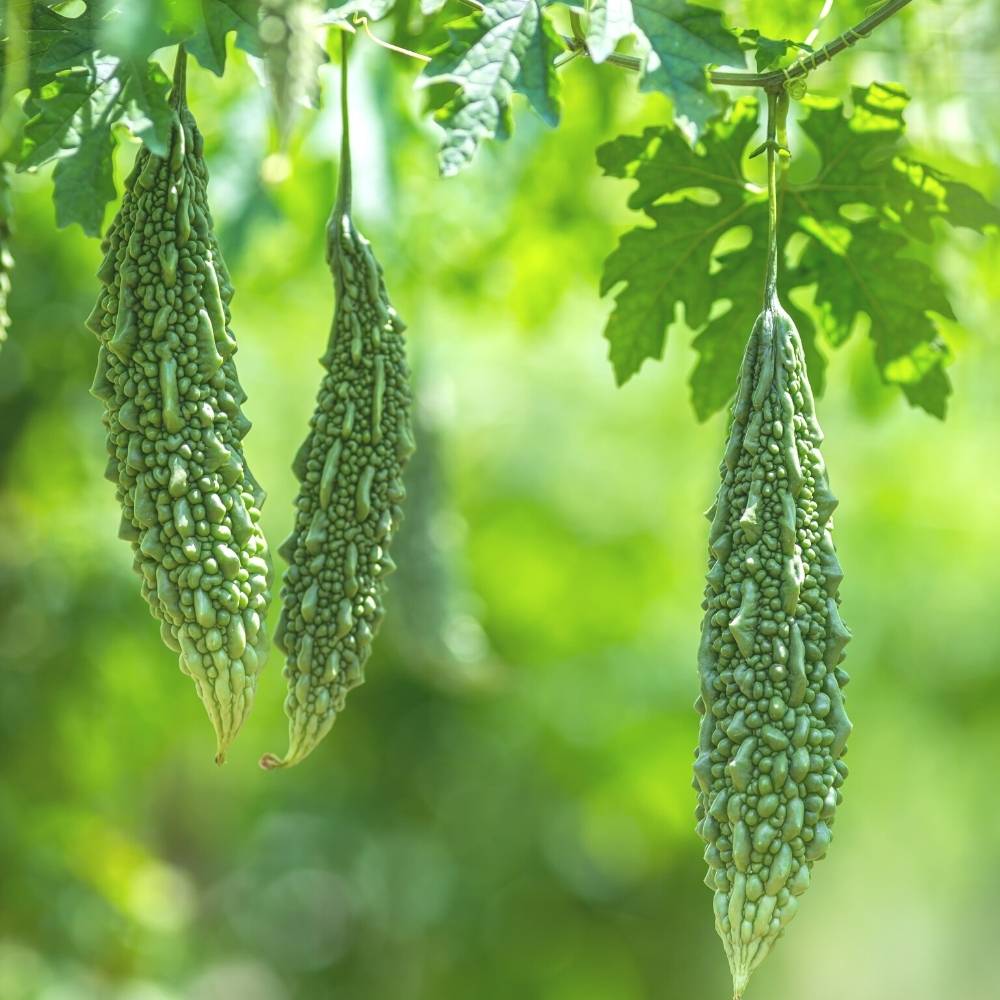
x=179 y=94
x=774 y=111
x=342 y=206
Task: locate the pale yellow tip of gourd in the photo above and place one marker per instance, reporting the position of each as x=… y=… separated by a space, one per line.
x=272 y=762
x=741 y=976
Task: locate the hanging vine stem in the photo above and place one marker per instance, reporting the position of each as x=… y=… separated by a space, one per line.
x=345 y=178
x=777 y=112
x=775 y=79
x=178 y=93
x=363 y=21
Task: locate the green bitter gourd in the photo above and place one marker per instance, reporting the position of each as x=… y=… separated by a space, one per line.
x=350 y=470
x=165 y=372
x=768 y=768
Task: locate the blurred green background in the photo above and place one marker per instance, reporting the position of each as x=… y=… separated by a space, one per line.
x=505 y=808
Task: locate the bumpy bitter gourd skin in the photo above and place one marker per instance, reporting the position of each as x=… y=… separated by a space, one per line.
x=191 y=507
x=769 y=766
x=350 y=468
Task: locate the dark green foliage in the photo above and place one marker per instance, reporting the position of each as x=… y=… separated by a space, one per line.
x=855 y=266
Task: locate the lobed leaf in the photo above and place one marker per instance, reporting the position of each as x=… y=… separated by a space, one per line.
x=770 y=52
x=686 y=40
x=204 y=26
x=508 y=47
x=857 y=218
x=70 y=119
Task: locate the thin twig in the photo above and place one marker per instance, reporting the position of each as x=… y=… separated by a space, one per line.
x=363 y=21
x=633 y=63
x=777 y=78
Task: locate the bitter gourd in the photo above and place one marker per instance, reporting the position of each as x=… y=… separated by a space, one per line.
x=165 y=371
x=350 y=470
x=768 y=766
x=6 y=257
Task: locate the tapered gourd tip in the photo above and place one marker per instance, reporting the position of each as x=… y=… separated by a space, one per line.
x=295 y=755
x=740 y=980
x=226 y=730
x=272 y=762
x=222 y=744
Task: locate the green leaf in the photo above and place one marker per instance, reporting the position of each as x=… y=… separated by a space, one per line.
x=55 y=42
x=74 y=101
x=70 y=119
x=859 y=271
x=83 y=183
x=507 y=48
x=685 y=40
x=610 y=22
x=135 y=29
x=862 y=165
x=144 y=98
x=204 y=26
x=702 y=254
x=667 y=264
x=770 y=52
x=537 y=80
x=713 y=379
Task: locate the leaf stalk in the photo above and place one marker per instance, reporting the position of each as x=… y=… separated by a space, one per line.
x=773 y=80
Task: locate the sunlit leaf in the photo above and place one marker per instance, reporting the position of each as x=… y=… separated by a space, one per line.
x=856 y=263
x=70 y=119
x=686 y=40
x=509 y=47
x=610 y=22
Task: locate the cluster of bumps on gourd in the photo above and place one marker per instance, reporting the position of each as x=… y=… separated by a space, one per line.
x=768 y=767
x=190 y=505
